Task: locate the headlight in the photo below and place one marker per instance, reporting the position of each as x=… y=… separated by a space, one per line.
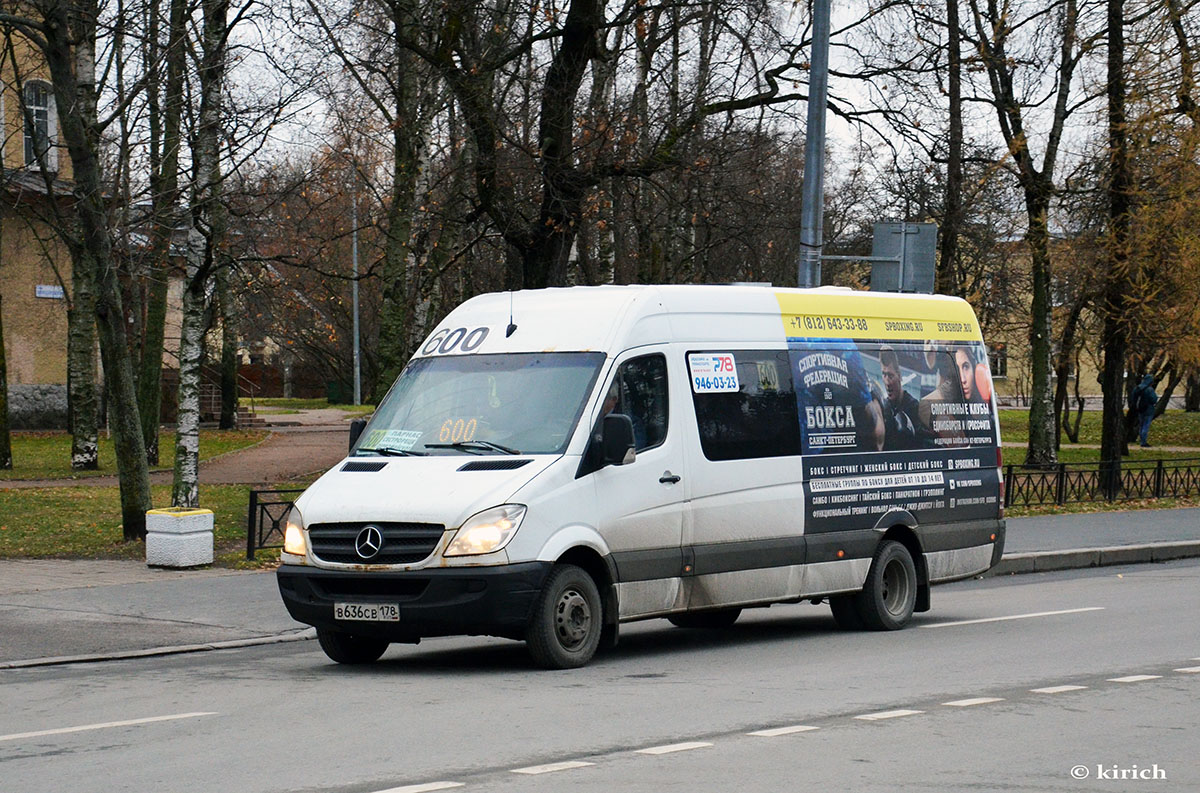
x=293 y=535
x=487 y=531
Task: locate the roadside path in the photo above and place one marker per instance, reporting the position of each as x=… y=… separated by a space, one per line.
x=312 y=442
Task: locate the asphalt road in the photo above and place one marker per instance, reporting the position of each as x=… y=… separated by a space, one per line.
x=471 y=712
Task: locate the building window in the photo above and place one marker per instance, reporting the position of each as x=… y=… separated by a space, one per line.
x=998 y=358
x=39 y=124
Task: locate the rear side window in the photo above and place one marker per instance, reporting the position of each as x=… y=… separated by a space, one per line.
x=745 y=403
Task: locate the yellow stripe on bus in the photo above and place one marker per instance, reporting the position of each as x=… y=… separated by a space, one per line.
x=860 y=315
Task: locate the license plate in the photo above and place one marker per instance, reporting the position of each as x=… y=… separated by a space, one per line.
x=367 y=612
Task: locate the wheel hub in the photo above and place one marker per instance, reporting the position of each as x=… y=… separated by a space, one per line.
x=895 y=588
x=572 y=619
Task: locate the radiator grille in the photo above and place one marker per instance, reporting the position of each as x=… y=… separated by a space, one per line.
x=403 y=543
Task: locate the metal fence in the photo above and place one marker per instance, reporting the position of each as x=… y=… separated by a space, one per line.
x=267 y=519
x=1072 y=483
x=1067 y=483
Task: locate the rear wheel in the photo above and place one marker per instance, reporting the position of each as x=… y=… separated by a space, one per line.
x=890 y=593
x=347 y=649
x=713 y=619
x=845 y=612
x=567 y=620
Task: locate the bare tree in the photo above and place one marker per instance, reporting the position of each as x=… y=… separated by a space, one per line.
x=65 y=33
x=1017 y=43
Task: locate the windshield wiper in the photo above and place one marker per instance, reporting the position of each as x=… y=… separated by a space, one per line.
x=472 y=445
x=392 y=451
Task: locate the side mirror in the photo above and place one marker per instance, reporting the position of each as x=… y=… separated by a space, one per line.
x=356 y=428
x=617 y=439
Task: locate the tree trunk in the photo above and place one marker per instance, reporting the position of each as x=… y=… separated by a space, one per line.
x=947 y=269
x=150 y=365
x=186 y=489
x=202 y=254
x=394 y=314
x=164 y=197
x=1116 y=306
x=6 y=461
x=1173 y=378
x=1191 y=393
x=229 y=360
x=70 y=49
x=81 y=367
x=1042 y=419
x=1062 y=366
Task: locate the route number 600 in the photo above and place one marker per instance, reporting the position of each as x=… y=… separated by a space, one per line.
x=446 y=340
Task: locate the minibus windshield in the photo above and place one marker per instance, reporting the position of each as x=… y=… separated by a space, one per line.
x=516 y=403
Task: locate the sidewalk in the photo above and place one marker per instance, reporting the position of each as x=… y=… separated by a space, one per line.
x=54 y=612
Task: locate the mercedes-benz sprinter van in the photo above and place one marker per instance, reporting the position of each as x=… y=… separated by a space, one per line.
x=552 y=463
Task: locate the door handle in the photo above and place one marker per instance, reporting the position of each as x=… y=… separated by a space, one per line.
x=668 y=478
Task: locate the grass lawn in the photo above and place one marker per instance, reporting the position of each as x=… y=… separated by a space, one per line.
x=1173 y=428
x=85 y=523
x=47 y=455
x=1102 y=506
x=309 y=404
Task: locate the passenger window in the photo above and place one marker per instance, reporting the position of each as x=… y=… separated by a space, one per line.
x=640 y=391
x=759 y=418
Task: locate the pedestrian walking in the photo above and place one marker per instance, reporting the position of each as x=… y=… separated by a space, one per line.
x=1142 y=401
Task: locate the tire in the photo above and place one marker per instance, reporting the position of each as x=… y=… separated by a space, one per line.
x=713 y=619
x=845 y=612
x=890 y=593
x=347 y=649
x=567 y=620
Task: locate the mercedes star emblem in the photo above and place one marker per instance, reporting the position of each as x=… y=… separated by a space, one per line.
x=368 y=542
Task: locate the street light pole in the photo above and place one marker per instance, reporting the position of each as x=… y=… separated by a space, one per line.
x=813 y=199
x=354 y=287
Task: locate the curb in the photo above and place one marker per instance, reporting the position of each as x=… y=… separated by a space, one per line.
x=1082 y=558
x=180 y=649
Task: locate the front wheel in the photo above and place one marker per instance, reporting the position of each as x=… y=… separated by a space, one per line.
x=567 y=620
x=890 y=593
x=347 y=649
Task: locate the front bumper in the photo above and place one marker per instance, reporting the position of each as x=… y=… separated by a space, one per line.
x=477 y=601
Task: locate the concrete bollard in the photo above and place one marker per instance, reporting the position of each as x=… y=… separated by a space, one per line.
x=179 y=537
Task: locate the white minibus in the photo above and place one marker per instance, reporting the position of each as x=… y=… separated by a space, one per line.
x=553 y=463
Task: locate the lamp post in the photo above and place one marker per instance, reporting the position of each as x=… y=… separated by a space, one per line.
x=813 y=198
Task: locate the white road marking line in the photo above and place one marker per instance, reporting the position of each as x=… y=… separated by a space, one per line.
x=428 y=787
x=1013 y=617
x=105 y=725
x=674 y=747
x=775 y=731
x=1133 y=678
x=1191 y=670
x=550 y=768
x=888 y=714
x=966 y=703
x=1056 y=689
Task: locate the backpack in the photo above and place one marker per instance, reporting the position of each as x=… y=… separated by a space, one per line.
x=1137 y=399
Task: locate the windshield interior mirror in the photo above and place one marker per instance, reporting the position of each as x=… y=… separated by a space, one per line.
x=617 y=439
x=356 y=428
